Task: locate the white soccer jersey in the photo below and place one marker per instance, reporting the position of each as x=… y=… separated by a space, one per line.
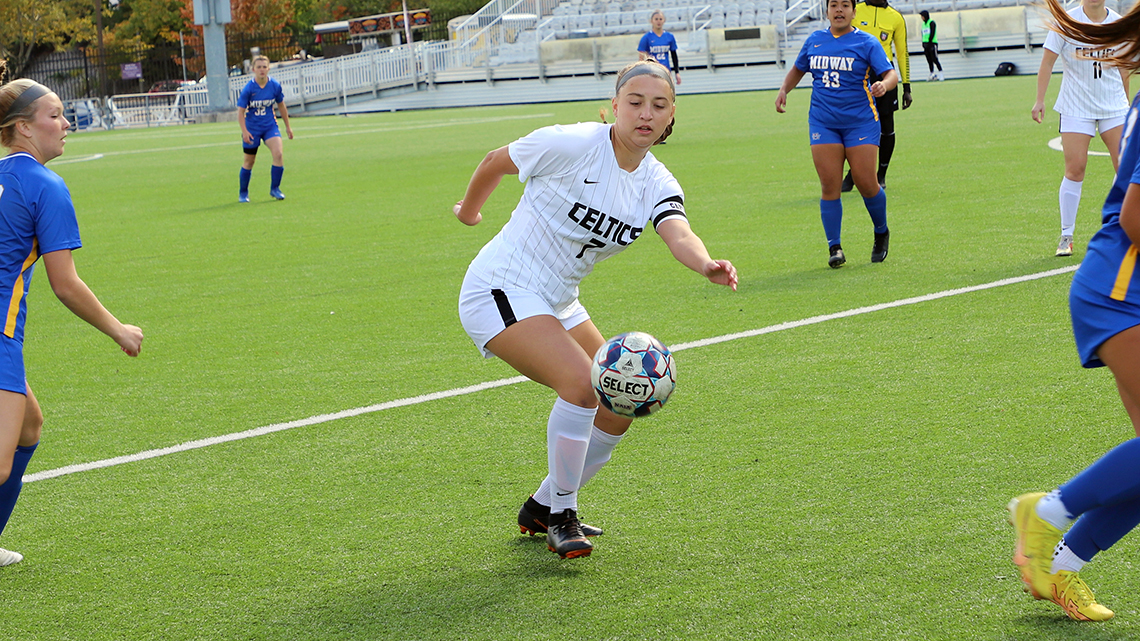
x=578 y=208
x=1089 y=89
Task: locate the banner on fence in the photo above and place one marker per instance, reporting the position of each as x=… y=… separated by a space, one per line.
x=386 y=22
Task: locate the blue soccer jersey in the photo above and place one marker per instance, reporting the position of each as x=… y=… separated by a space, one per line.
x=841 y=70
x=658 y=47
x=39 y=218
x=1109 y=265
x=258 y=102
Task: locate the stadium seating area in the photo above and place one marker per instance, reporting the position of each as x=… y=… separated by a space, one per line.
x=574 y=18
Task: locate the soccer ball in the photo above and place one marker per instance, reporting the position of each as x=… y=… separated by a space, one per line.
x=633 y=374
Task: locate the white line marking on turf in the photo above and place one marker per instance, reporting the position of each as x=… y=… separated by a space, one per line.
x=354 y=132
x=435 y=396
x=1056 y=144
x=68 y=161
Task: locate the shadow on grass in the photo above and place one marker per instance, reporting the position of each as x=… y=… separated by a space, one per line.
x=1055 y=626
x=488 y=599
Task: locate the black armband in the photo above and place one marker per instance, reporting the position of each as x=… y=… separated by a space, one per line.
x=676 y=63
x=906 y=87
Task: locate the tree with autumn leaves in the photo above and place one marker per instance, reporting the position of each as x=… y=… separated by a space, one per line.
x=31 y=26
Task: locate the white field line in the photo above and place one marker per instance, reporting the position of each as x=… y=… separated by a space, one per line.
x=435 y=396
x=352 y=132
x=1056 y=145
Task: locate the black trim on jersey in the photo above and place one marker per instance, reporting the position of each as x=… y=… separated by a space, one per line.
x=666 y=214
x=504 y=306
x=669 y=212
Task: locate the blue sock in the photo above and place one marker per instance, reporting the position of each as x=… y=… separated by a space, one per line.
x=1101 y=527
x=831 y=211
x=275 y=173
x=1106 y=495
x=10 y=490
x=243 y=180
x=877 y=207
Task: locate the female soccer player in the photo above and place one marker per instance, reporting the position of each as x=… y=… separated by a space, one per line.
x=39 y=220
x=255 y=115
x=591 y=189
x=660 y=45
x=1104 y=303
x=842 y=120
x=930 y=45
x=1094 y=97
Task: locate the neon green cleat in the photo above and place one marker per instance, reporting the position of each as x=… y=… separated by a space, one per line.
x=1033 y=553
x=1067 y=590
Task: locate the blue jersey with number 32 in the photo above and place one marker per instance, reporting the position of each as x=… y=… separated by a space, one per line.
x=841 y=70
x=258 y=102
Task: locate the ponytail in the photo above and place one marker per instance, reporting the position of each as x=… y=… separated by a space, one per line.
x=1121 y=33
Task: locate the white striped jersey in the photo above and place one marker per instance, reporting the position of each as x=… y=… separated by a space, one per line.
x=1089 y=88
x=578 y=207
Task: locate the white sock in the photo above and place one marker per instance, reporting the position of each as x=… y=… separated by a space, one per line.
x=1051 y=510
x=1070 y=198
x=567 y=439
x=601 y=447
x=1065 y=559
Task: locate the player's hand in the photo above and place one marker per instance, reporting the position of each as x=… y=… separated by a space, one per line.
x=289 y=130
x=469 y=220
x=677 y=75
x=878 y=90
x=130 y=340
x=1038 y=112
x=247 y=137
x=721 y=272
x=781 y=101
x=906 y=100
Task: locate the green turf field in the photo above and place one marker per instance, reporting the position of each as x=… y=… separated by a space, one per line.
x=841 y=480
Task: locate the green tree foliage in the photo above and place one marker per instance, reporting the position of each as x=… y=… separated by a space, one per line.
x=152 y=21
x=27 y=24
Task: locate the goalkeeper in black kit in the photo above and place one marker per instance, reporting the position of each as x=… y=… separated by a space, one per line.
x=877 y=18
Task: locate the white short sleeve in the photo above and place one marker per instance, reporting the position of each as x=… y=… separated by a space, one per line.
x=1054 y=42
x=670 y=203
x=553 y=150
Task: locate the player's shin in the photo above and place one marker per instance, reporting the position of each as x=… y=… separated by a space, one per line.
x=10 y=490
x=567 y=440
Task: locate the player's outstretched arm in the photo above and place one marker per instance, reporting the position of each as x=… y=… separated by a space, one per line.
x=795 y=74
x=486 y=178
x=690 y=251
x=246 y=137
x=76 y=296
x=285 y=119
x=890 y=81
x=1044 y=73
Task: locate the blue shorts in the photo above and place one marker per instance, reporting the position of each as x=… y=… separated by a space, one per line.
x=867 y=134
x=259 y=135
x=12 y=377
x=1097 y=318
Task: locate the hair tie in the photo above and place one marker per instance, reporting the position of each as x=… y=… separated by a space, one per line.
x=30 y=95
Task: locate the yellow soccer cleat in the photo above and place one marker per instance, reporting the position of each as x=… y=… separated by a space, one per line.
x=1067 y=590
x=1033 y=553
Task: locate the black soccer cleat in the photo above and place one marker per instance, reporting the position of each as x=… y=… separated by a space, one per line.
x=533 y=517
x=565 y=537
x=882 y=244
x=848 y=183
x=837 y=258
